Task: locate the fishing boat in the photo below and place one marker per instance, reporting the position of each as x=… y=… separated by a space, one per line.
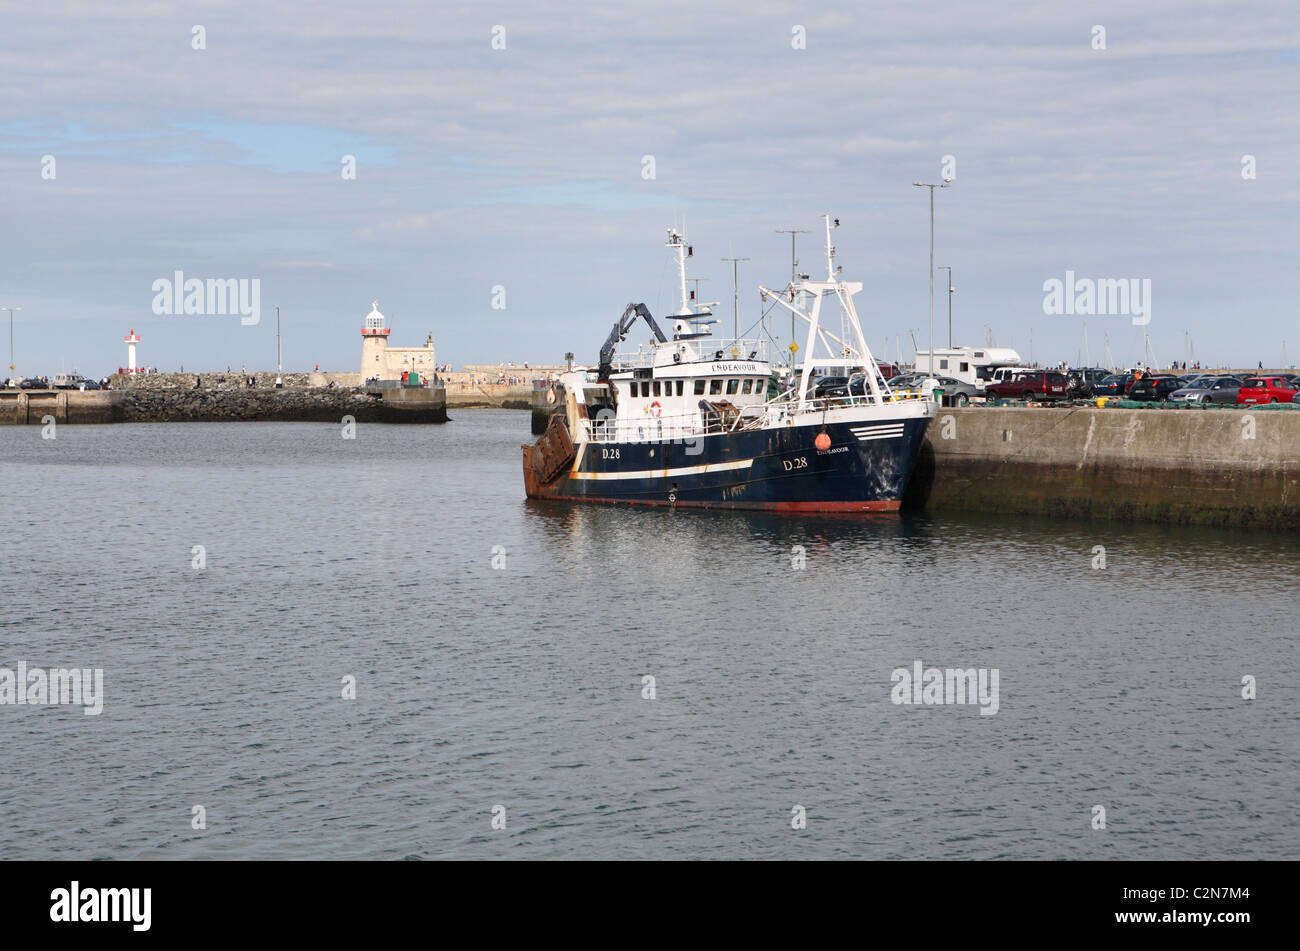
x=696 y=421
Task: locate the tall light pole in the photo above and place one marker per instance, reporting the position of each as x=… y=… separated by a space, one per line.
x=279 y=364
x=794 y=276
x=932 y=188
x=735 y=299
x=944 y=267
x=11 y=335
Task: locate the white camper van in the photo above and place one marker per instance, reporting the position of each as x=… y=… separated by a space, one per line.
x=977 y=366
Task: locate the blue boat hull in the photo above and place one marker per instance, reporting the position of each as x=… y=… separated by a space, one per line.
x=866 y=468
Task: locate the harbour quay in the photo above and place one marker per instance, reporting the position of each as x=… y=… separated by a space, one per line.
x=34 y=407
x=229 y=397
x=1226 y=468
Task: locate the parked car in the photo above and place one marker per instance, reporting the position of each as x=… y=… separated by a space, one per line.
x=67 y=381
x=906 y=381
x=1112 y=385
x=1035 y=385
x=1005 y=375
x=33 y=383
x=1208 y=389
x=956 y=392
x=1154 y=387
x=1085 y=380
x=827 y=383
x=1266 y=389
x=855 y=385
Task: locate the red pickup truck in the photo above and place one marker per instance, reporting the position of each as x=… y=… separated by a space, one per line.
x=1266 y=389
x=1038 y=385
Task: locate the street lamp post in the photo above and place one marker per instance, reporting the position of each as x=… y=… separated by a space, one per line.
x=11 y=335
x=932 y=188
x=944 y=267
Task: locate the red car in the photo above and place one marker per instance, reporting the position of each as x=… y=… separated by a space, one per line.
x=1039 y=385
x=1266 y=389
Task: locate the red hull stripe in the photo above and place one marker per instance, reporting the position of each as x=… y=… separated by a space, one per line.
x=881 y=506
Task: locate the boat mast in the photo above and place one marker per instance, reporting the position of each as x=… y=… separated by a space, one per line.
x=830 y=250
x=677 y=242
x=815 y=290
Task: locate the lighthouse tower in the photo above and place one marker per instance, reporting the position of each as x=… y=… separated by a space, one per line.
x=131 y=340
x=374 y=343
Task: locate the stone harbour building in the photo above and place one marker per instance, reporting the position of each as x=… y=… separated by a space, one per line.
x=382 y=362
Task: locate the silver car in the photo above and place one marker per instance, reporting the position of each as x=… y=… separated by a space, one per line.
x=955 y=392
x=1218 y=389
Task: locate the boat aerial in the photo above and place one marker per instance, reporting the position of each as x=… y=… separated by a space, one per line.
x=694 y=420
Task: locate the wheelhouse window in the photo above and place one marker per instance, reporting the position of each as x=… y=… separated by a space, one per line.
x=656 y=388
x=747 y=388
x=699 y=387
x=680 y=383
x=715 y=387
x=733 y=387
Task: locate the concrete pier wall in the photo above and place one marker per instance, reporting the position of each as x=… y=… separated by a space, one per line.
x=1218 y=467
x=30 y=407
x=488 y=395
x=147 y=404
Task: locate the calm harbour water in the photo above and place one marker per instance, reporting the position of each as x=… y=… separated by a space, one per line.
x=522 y=686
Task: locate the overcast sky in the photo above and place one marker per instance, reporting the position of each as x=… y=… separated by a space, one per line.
x=523 y=167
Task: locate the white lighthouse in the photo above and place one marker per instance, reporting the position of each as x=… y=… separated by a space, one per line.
x=379 y=361
x=131 y=340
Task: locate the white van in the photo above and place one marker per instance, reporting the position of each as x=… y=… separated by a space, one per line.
x=66 y=381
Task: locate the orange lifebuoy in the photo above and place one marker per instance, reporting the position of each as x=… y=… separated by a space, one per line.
x=655 y=409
